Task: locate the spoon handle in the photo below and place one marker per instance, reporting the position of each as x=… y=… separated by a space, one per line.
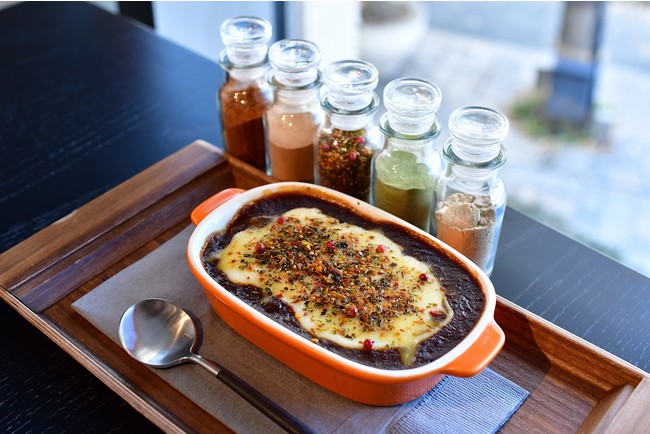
x=272 y=410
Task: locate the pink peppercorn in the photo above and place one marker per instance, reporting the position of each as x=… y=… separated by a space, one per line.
x=368 y=344
x=352 y=312
x=424 y=277
x=381 y=248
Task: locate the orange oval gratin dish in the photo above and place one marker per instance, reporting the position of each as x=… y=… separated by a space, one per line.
x=358 y=382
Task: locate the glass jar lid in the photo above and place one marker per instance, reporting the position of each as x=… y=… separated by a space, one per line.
x=477 y=132
x=350 y=84
x=412 y=104
x=246 y=39
x=295 y=62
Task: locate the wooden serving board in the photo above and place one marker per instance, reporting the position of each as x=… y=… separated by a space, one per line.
x=574 y=386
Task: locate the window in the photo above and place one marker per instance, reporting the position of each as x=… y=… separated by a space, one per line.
x=589 y=181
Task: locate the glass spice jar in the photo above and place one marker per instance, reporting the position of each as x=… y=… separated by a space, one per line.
x=471 y=196
x=349 y=136
x=245 y=95
x=295 y=115
x=405 y=171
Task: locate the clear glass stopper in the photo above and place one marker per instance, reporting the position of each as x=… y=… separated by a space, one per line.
x=350 y=84
x=477 y=133
x=412 y=104
x=295 y=62
x=246 y=40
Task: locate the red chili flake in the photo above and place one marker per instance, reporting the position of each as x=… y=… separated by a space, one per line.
x=352 y=156
x=381 y=248
x=260 y=247
x=368 y=344
x=442 y=288
x=436 y=313
x=331 y=245
x=282 y=220
x=278 y=295
x=424 y=277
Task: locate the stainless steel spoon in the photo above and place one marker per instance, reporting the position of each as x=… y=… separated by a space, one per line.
x=160 y=334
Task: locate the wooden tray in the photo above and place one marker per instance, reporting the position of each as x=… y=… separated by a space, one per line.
x=574 y=385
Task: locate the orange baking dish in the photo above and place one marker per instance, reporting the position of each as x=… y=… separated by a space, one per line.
x=345 y=377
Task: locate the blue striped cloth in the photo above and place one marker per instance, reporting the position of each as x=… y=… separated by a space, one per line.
x=479 y=404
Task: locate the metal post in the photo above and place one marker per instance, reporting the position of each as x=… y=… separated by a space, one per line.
x=570 y=99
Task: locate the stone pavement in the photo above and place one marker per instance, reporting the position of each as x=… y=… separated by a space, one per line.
x=598 y=193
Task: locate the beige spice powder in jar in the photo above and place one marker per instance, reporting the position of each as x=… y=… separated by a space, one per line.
x=471 y=196
x=468 y=223
x=292 y=121
x=290 y=145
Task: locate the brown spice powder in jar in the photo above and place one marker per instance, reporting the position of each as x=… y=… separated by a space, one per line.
x=242 y=111
x=290 y=145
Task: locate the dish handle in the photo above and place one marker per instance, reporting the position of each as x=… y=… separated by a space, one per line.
x=208 y=205
x=479 y=354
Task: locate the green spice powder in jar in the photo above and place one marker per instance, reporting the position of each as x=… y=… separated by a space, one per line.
x=405 y=172
x=349 y=136
x=405 y=188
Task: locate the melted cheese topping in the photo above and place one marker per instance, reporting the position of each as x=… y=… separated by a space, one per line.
x=346 y=284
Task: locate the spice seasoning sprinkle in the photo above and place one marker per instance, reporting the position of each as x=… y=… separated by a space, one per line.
x=344 y=283
x=343 y=159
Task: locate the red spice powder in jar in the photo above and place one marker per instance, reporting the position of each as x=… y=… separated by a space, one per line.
x=242 y=110
x=245 y=95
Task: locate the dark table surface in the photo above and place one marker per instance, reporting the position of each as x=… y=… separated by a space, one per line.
x=89 y=99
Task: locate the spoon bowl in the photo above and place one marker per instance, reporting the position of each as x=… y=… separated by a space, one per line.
x=160 y=334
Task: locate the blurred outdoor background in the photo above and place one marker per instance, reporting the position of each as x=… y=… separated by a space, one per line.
x=573 y=78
